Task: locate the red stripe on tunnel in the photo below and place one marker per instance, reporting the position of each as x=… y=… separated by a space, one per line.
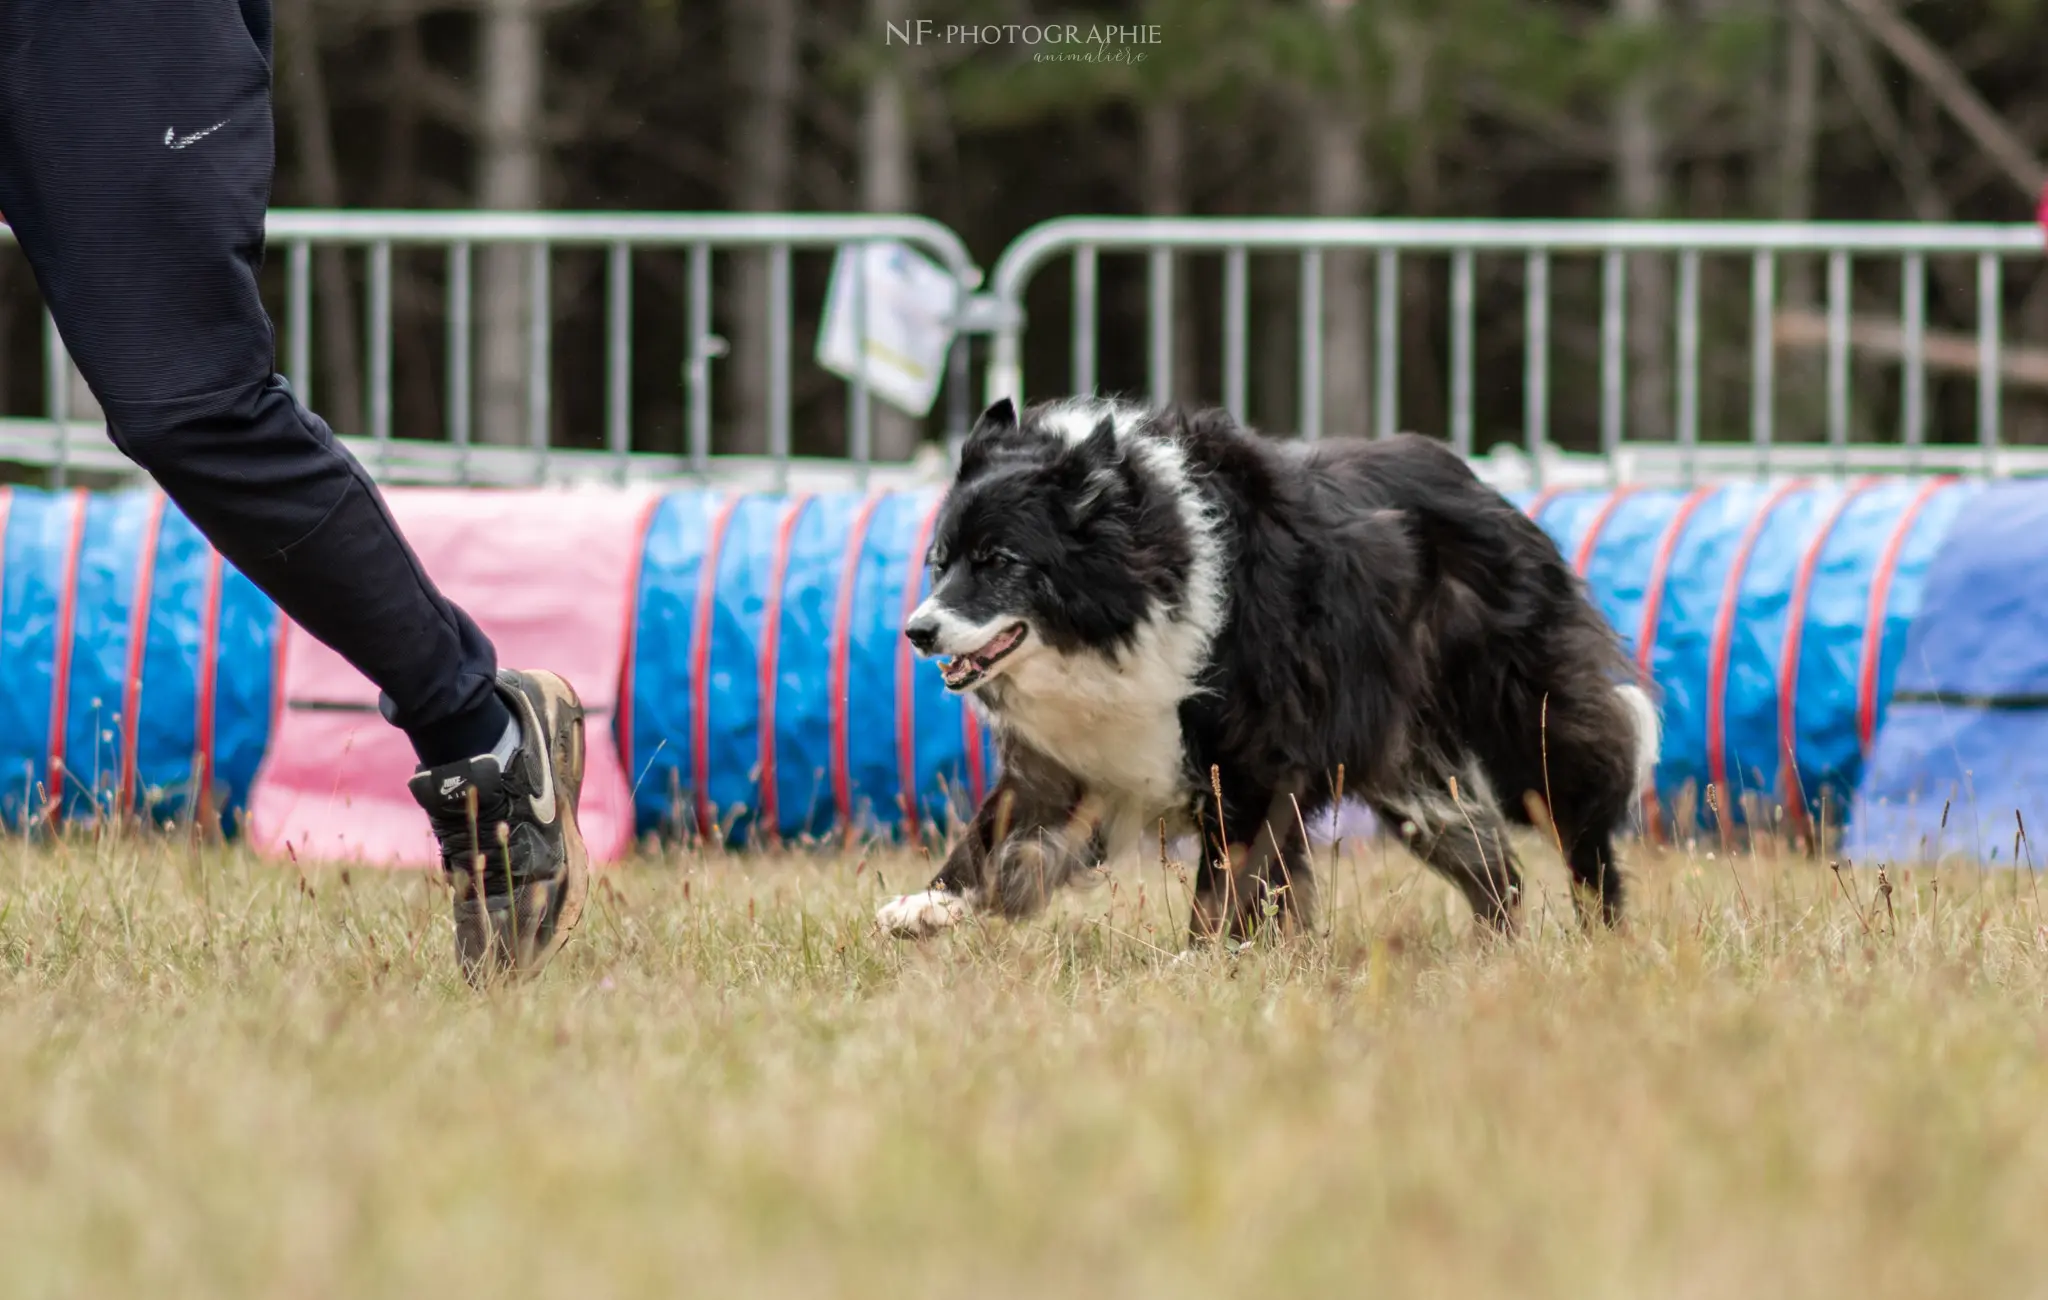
x=1880 y=601
x=700 y=666
x=60 y=668
x=970 y=735
x=769 y=820
x=1653 y=609
x=138 y=646
x=206 y=681
x=1583 y=560
x=1543 y=500
x=906 y=674
x=1721 y=647
x=1788 y=659
x=841 y=653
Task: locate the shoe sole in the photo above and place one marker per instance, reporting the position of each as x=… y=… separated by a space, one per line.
x=561 y=715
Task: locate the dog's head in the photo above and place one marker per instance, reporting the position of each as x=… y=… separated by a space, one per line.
x=1051 y=540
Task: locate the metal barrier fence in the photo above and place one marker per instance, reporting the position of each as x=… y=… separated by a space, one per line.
x=1887 y=254
x=1539 y=245
x=61 y=443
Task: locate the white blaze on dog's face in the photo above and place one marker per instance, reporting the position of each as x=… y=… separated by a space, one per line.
x=983 y=564
x=977 y=618
x=973 y=651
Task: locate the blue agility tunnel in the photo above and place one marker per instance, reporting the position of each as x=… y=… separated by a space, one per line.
x=1772 y=618
x=1961 y=763
x=136 y=667
x=768 y=652
x=769 y=694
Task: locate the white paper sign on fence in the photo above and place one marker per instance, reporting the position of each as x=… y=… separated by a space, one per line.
x=910 y=305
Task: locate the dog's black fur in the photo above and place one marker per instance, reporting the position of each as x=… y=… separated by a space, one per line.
x=1383 y=614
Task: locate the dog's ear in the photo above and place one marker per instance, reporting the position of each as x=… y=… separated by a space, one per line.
x=996 y=425
x=1092 y=470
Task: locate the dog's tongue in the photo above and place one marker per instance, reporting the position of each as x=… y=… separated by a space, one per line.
x=963 y=667
x=1003 y=641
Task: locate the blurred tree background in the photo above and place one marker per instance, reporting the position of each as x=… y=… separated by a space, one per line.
x=1851 y=109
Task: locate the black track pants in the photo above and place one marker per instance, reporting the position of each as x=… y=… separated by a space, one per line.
x=135 y=167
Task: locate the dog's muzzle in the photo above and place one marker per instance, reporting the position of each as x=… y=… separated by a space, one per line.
x=963 y=670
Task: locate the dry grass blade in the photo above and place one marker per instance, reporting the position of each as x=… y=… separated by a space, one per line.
x=1855 y=904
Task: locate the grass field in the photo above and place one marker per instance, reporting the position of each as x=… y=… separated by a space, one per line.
x=225 y=1078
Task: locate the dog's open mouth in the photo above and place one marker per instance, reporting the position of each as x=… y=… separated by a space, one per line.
x=963 y=671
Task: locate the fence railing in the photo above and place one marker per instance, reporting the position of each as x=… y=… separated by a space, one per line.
x=60 y=442
x=1540 y=247
x=1493 y=318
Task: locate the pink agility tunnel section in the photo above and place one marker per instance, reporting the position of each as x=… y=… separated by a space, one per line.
x=549 y=580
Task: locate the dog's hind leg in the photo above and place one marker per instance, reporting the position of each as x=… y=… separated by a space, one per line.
x=1597 y=874
x=1030 y=865
x=1254 y=869
x=1461 y=834
x=1600 y=757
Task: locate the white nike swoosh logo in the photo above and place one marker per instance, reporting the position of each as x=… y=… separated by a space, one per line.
x=172 y=140
x=544 y=802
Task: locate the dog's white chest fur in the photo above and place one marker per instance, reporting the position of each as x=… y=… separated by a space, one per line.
x=1115 y=726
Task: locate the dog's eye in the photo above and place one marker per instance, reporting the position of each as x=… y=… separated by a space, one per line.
x=991 y=559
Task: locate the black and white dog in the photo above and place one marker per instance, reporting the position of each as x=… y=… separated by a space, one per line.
x=1169 y=619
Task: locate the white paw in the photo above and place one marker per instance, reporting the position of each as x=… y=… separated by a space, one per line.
x=914 y=916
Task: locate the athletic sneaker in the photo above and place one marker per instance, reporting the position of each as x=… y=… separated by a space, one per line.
x=507 y=827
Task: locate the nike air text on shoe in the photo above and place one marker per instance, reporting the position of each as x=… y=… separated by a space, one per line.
x=508 y=833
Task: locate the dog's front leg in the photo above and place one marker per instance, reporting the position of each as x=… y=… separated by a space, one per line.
x=956 y=890
x=1019 y=846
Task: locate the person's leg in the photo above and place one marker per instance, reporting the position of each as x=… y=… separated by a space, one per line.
x=135 y=168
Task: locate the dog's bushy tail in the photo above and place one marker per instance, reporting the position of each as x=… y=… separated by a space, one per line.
x=1648 y=729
